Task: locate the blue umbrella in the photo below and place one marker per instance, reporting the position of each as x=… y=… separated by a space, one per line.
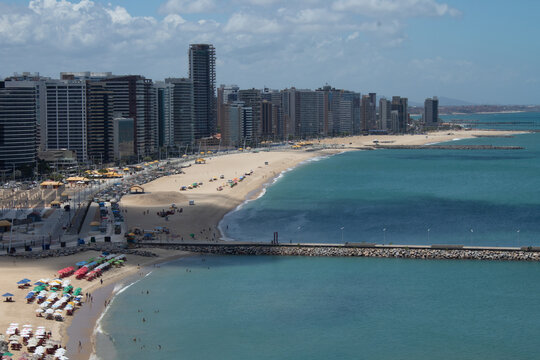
x=8 y=295
x=81 y=263
x=23 y=281
x=39 y=283
x=30 y=295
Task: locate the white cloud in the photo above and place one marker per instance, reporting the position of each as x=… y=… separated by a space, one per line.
x=241 y=22
x=302 y=42
x=187 y=6
x=401 y=8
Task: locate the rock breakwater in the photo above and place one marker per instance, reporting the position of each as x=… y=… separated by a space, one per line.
x=344 y=251
x=110 y=247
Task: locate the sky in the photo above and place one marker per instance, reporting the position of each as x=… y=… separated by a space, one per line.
x=479 y=51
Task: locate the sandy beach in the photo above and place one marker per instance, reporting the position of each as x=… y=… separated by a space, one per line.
x=200 y=219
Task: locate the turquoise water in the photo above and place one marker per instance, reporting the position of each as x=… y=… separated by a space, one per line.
x=328 y=308
x=494 y=193
x=341 y=308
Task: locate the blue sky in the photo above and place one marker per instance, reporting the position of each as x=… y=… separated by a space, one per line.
x=478 y=51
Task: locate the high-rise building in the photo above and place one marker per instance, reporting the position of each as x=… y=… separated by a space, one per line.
x=202 y=71
x=289 y=109
x=100 y=124
x=368 y=110
x=431 y=112
x=385 y=108
x=401 y=106
x=226 y=94
x=27 y=79
x=18 y=146
x=272 y=114
x=165 y=113
x=309 y=113
x=183 y=111
x=66 y=117
x=252 y=98
x=135 y=98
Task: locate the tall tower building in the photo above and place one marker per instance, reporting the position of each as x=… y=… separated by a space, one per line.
x=165 y=113
x=385 y=119
x=401 y=105
x=431 y=112
x=369 y=114
x=135 y=98
x=202 y=72
x=18 y=146
x=252 y=98
x=100 y=126
x=183 y=111
x=66 y=117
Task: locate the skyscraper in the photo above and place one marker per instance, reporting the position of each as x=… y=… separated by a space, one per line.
x=368 y=110
x=183 y=111
x=66 y=117
x=385 y=118
x=401 y=105
x=100 y=126
x=431 y=112
x=135 y=98
x=252 y=98
x=18 y=146
x=202 y=71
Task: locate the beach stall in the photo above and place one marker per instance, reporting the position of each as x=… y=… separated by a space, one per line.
x=94 y=226
x=136 y=189
x=5 y=226
x=51 y=184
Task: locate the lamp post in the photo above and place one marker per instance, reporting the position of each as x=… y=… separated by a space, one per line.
x=342 y=233
x=384 y=235
x=472 y=231
x=517 y=231
x=428 y=230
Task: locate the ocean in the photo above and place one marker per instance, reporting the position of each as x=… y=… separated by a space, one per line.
x=218 y=307
x=476 y=197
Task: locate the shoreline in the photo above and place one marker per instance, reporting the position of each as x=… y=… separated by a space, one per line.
x=85 y=324
x=261 y=191
x=208 y=213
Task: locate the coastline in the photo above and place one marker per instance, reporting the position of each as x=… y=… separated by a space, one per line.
x=83 y=326
x=210 y=209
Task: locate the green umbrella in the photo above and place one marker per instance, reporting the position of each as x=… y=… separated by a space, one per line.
x=7 y=354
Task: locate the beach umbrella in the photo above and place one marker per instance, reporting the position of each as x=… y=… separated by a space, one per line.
x=7 y=354
x=8 y=295
x=39 y=283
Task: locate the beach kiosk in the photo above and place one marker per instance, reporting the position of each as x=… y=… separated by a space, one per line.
x=4 y=226
x=136 y=189
x=94 y=226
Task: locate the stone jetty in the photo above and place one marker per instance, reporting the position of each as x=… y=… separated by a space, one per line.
x=381 y=251
x=438 y=252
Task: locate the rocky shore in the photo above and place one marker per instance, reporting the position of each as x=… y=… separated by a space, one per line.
x=343 y=251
